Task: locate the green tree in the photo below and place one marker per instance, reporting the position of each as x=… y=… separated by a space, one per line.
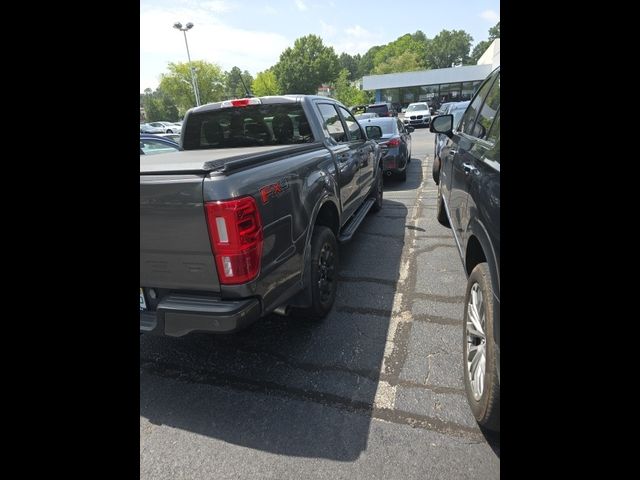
x=265 y=83
x=159 y=106
x=366 y=64
x=347 y=93
x=494 y=32
x=481 y=47
x=411 y=47
x=350 y=62
x=449 y=48
x=177 y=84
x=233 y=82
x=405 y=62
x=303 y=68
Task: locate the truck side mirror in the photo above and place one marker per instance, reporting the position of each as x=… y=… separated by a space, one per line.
x=374 y=132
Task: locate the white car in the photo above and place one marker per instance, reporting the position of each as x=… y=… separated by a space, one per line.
x=149 y=128
x=167 y=127
x=417 y=115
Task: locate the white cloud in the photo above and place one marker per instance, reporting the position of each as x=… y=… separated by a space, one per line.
x=210 y=40
x=327 y=30
x=301 y=5
x=490 y=15
x=218 y=6
x=357 y=31
x=356 y=40
x=269 y=10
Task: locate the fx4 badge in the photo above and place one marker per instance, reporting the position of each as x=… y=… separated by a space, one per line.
x=273 y=190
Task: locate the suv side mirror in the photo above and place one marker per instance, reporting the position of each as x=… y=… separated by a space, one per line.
x=374 y=132
x=442 y=124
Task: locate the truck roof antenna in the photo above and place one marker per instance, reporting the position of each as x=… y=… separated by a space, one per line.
x=246 y=90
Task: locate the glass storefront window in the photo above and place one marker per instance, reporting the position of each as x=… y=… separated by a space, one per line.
x=450 y=92
x=391 y=95
x=429 y=94
x=468 y=89
x=409 y=95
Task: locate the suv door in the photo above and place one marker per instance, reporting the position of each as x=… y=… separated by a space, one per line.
x=458 y=167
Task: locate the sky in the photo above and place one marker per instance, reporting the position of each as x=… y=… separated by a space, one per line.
x=251 y=34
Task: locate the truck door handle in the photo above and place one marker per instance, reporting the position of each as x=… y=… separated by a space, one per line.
x=468 y=168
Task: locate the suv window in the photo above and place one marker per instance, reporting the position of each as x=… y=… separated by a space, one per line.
x=331 y=122
x=469 y=118
x=417 y=107
x=494 y=137
x=488 y=111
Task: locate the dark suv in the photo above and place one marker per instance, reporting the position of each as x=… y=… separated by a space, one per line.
x=382 y=109
x=469 y=203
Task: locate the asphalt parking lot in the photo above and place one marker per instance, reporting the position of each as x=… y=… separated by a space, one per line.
x=374 y=391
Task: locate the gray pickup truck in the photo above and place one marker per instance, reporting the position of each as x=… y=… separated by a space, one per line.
x=247 y=219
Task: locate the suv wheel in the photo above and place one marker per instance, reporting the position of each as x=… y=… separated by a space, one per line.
x=480 y=362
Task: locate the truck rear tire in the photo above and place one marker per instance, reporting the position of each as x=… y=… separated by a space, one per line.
x=324 y=273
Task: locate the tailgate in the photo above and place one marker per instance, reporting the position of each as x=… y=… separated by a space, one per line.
x=175 y=250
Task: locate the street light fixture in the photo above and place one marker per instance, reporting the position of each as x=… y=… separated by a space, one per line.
x=189 y=26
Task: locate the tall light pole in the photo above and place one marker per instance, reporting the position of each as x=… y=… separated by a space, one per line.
x=188 y=26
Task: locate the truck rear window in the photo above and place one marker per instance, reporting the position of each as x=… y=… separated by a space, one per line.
x=253 y=125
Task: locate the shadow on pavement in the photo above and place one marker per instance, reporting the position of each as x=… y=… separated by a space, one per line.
x=285 y=385
x=413 y=181
x=493 y=439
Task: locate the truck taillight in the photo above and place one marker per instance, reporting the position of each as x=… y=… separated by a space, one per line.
x=235 y=231
x=394 y=142
x=241 y=102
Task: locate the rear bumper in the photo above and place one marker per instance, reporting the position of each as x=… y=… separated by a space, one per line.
x=176 y=315
x=393 y=162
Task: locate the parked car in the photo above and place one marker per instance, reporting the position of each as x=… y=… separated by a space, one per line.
x=384 y=109
x=171 y=136
x=153 y=144
x=443 y=108
x=148 y=128
x=469 y=203
x=363 y=116
x=395 y=144
x=417 y=115
x=456 y=109
x=167 y=127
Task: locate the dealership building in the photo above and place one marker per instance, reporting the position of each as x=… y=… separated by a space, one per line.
x=435 y=86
